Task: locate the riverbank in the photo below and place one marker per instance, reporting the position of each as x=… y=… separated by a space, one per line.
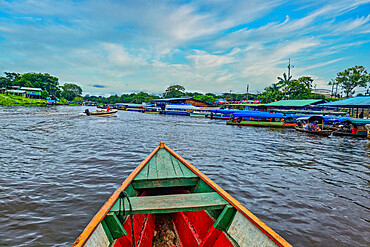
x=11 y=100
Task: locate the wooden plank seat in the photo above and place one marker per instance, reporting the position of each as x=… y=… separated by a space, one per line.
x=163 y=183
x=173 y=203
x=164 y=170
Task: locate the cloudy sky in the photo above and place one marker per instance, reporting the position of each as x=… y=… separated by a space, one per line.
x=116 y=46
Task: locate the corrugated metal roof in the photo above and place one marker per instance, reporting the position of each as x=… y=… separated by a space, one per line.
x=360 y=101
x=31 y=88
x=171 y=99
x=295 y=103
x=15 y=91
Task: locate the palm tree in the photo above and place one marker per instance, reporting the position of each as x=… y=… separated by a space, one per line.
x=283 y=81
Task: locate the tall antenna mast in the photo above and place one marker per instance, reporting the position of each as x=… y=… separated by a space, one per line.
x=289 y=66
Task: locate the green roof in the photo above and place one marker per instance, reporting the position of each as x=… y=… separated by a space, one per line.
x=295 y=103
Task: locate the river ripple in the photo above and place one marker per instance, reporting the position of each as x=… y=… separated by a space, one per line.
x=59 y=167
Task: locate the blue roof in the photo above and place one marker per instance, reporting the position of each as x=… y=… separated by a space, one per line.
x=359 y=101
x=225 y=111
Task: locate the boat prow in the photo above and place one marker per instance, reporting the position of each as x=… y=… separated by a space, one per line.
x=165 y=187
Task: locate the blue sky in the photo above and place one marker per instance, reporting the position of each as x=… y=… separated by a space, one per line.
x=115 y=46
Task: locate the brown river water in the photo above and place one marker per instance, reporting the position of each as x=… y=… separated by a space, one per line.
x=58 y=167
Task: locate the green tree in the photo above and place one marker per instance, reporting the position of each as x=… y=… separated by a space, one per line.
x=205 y=98
x=4 y=82
x=141 y=97
x=283 y=81
x=306 y=80
x=11 y=76
x=297 y=89
x=351 y=78
x=70 y=91
x=78 y=99
x=174 y=91
x=193 y=94
x=270 y=94
x=45 y=94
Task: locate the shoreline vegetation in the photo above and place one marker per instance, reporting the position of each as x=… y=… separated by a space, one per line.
x=11 y=100
x=286 y=88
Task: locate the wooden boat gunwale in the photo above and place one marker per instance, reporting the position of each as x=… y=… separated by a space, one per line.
x=255 y=123
x=98 y=218
x=321 y=132
x=341 y=133
x=101 y=113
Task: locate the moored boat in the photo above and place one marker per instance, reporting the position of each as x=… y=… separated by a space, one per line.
x=100 y=113
x=316 y=132
x=198 y=114
x=167 y=190
x=262 y=119
x=352 y=127
x=181 y=113
x=221 y=114
x=314 y=125
x=263 y=123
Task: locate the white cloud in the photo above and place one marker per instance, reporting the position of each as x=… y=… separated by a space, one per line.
x=204 y=45
x=204 y=60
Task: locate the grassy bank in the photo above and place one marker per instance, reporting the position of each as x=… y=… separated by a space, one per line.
x=11 y=100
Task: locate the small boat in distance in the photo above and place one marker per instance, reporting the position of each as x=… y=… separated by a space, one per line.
x=166 y=201
x=100 y=113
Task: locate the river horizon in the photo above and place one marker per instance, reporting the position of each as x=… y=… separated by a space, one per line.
x=58 y=167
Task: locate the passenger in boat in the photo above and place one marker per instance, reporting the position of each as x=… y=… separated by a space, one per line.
x=108 y=109
x=354 y=129
x=315 y=127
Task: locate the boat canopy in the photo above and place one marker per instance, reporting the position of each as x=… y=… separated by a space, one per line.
x=360 y=121
x=258 y=114
x=264 y=114
x=325 y=118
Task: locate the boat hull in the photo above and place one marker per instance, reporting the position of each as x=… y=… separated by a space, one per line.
x=322 y=132
x=102 y=113
x=263 y=124
x=198 y=114
x=339 y=133
x=164 y=186
x=218 y=117
x=180 y=113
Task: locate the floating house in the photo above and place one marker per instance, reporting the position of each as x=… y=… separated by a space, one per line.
x=179 y=101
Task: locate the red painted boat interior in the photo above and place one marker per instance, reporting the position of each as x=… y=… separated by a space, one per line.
x=193 y=228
